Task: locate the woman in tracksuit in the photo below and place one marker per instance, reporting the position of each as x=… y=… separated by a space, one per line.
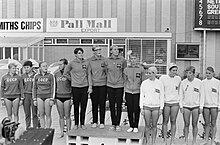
x=133 y=77
x=115 y=66
x=12 y=92
x=99 y=93
x=43 y=94
x=190 y=102
x=151 y=103
x=63 y=96
x=27 y=79
x=211 y=95
x=81 y=85
x=171 y=83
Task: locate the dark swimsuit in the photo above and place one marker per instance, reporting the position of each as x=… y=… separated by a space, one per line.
x=191 y=109
x=63 y=99
x=11 y=99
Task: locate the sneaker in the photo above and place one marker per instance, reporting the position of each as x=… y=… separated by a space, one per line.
x=135 y=130
x=102 y=126
x=112 y=127
x=75 y=127
x=130 y=130
x=94 y=125
x=83 y=126
x=118 y=128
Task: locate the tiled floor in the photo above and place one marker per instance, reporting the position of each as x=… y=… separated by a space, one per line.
x=61 y=141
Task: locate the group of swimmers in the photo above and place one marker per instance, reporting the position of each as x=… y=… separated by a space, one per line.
x=112 y=78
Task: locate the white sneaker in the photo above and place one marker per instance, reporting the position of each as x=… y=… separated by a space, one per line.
x=102 y=126
x=135 y=130
x=94 y=125
x=130 y=130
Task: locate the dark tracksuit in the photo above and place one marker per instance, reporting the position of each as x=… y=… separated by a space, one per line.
x=12 y=86
x=43 y=86
x=63 y=86
x=28 y=101
x=80 y=81
x=133 y=76
x=115 y=86
x=99 y=79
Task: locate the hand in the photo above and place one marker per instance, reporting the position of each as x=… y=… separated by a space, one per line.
x=71 y=102
x=51 y=102
x=3 y=102
x=160 y=112
x=35 y=102
x=200 y=111
x=89 y=90
x=21 y=102
x=142 y=111
x=181 y=110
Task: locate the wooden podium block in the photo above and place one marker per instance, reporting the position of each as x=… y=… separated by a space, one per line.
x=96 y=136
x=35 y=136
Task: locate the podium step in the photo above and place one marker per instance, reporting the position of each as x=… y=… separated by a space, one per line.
x=96 y=136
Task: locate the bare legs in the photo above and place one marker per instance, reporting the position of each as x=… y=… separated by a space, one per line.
x=151 y=116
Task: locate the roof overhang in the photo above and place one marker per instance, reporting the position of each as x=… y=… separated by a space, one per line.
x=19 y=41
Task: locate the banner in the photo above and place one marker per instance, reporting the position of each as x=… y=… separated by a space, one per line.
x=21 y=25
x=207 y=13
x=82 y=25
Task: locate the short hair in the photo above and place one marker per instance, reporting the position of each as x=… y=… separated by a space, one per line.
x=94 y=47
x=10 y=65
x=77 y=50
x=64 y=60
x=211 y=69
x=28 y=63
x=113 y=46
x=41 y=63
x=134 y=55
x=153 y=69
x=191 y=68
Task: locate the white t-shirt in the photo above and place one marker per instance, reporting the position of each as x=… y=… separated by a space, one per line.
x=171 y=88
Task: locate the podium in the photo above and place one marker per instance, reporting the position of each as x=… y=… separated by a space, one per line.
x=97 y=136
x=35 y=136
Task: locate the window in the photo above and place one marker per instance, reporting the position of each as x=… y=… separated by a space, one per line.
x=7 y=52
x=61 y=41
x=118 y=41
x=1 y=52
x=86 y=41
x=47 y=41
x=74 y=41
x=187 y=51
x=151 y=52
x=99 y=41
x=15 y=53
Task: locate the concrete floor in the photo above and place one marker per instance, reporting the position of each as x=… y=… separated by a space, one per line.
x=61 y=141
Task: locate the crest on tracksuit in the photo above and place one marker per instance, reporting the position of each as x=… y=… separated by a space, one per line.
x=83 y=66
x=119 y=65
x=138 y=75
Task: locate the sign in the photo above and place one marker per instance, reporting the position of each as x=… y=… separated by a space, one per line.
x=187 y=51
x=21 y=25
x=207 y=14
x=82 y=25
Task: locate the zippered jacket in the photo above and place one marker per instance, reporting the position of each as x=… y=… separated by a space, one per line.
x=12 y=86
x=78 y=71
x=133 y=77
x=28 y=82
x=97 y=69
x=63 y=87
x=115 y=70
x=43 y=86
